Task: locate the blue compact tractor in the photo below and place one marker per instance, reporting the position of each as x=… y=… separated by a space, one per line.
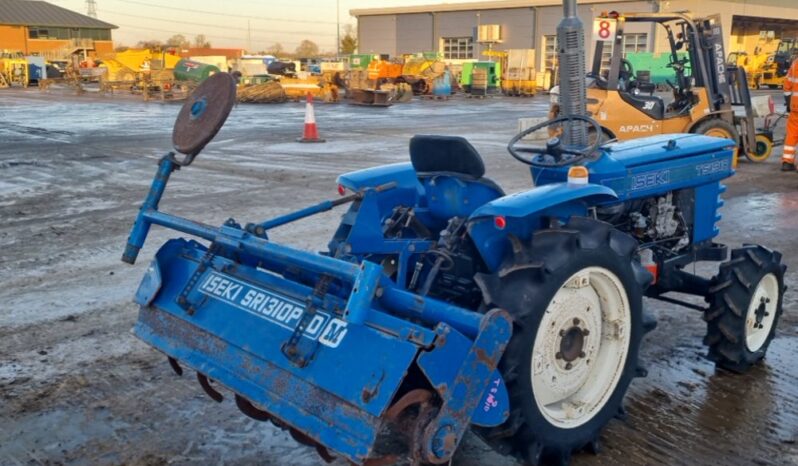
x=442 y=303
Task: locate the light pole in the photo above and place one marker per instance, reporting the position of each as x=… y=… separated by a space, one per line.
x=479 y=44
x=338 y=28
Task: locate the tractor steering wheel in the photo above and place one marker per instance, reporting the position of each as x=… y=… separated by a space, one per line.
x=554 y=154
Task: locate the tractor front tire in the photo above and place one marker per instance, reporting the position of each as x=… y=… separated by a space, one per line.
x=576 y=297
x=745 y=306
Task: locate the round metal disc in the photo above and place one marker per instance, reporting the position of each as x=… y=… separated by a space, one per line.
x=204 y=114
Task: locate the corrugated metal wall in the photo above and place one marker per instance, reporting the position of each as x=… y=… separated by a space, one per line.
x=414 y=33
x=518 y=26
x=377 y=34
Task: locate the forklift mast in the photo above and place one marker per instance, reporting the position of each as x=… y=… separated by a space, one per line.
x=710 y=40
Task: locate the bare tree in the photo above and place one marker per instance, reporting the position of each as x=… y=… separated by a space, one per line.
x=276 y=49
x=307 y=49
x=149 y=44
x=201 y=42
x=178 y=40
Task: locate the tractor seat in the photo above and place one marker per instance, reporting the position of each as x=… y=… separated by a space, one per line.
x=453 y=175
x=445 y=154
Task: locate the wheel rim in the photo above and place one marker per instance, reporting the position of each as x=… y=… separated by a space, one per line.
x=763 y=149
x=761 y=312
x=581 y=347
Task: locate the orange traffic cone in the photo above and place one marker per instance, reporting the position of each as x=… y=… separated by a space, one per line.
x=311 y=133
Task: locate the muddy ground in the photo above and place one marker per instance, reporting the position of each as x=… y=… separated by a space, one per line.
x=77 y=388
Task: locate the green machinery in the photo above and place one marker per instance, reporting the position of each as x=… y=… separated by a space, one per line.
x=656 y=64
x=492 y=69
x=188 y=70
x=361 y=61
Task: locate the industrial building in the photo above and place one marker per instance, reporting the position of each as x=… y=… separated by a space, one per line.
x=453 y=29
x=41 y=28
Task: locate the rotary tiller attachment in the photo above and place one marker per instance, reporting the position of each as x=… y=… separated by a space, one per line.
x=330 y=349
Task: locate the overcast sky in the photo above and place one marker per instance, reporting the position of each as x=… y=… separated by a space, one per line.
x=224 y=22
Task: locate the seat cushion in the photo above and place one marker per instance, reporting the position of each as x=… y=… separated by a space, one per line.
x=651 y=105
x=445 y=154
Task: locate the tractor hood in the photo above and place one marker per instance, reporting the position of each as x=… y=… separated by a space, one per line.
x=661 y=148
x=669 y=161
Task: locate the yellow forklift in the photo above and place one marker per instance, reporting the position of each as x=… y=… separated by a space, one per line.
x=704 y=94
x=754 y=64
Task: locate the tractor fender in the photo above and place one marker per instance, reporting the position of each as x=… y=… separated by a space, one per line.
x=402 y=173
x=408 y=189
x=525 y=212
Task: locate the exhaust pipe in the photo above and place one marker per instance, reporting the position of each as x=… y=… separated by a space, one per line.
x=571 y=56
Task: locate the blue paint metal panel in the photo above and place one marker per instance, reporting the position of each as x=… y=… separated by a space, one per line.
x=239 y=346
x=707 y=202
x=524 y=213
x=659 y=178
x=650 y=166
x=449 y=196
x=655 y=148
x=463 y=390
x=241 y=318
x=441 y=366
x=289 y=398
x=408 y=189
x=526 y=203
x=253 y=330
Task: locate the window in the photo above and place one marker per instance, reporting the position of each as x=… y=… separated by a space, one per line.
x=632 y=43
x=52 y=33
x=458 y=48
x=47 y=33
x=96 y=34
x=550 y=52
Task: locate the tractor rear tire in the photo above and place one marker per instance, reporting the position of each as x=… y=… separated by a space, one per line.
x=745 y=306
x=559 y=401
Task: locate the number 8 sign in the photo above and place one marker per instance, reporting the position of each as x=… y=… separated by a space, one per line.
x=604 y=29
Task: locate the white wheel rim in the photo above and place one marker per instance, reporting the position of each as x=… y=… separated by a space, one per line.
x=574 y=375
x=761 y=312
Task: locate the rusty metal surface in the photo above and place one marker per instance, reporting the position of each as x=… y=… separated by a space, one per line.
x=206 y=385
x=418 y=396
x=246 y=407
x=204 y=113
x=175 y=366
x=370 y=97
x=461 y=386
